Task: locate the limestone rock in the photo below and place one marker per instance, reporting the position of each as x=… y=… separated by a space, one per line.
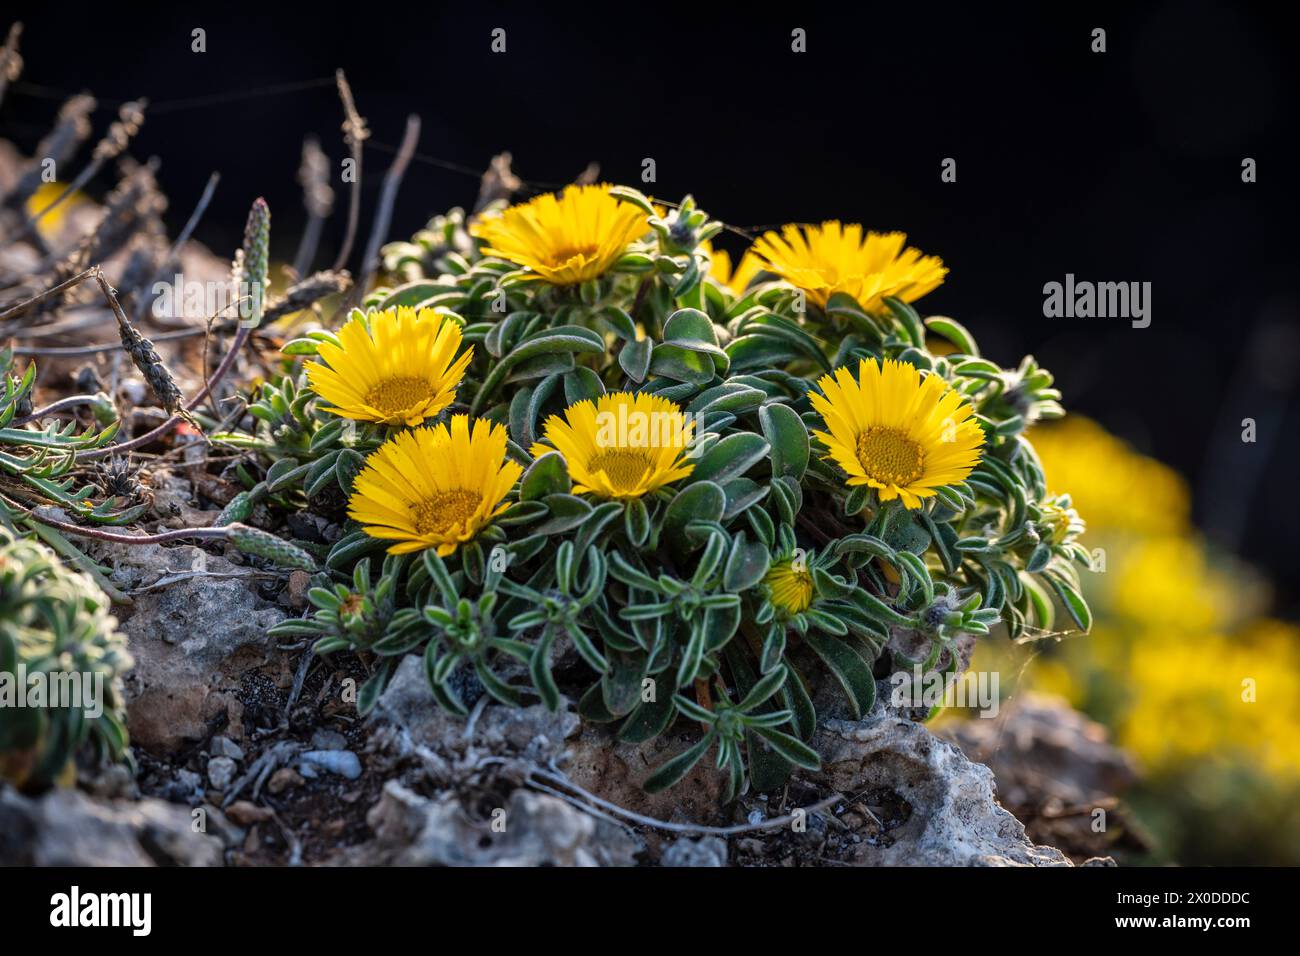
x=67 y=828
x=531 y=830
x=190 y=639
x=944 y=811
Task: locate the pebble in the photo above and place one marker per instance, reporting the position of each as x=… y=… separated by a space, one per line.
x=324 y=739
x=299 y=582
x=342 y=762
x=244 y=813
x=186 y=788
x=283 y=779
x=221 y=771
x=225 y=747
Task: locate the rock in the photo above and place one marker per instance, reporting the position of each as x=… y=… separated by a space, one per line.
x=1059 y=773
x=324 y=739
x=706 y=851
x=616 y=771
x=1041 y=748
x=225 y=747
x=186 y=787
x=299 y=584
x=283 y=779
x=68 y=828
x=342 y=762
x=408 y=704
x=221 y=772
x=245 y=814
x=934 y=807
x=190 y=639
x=532 y=830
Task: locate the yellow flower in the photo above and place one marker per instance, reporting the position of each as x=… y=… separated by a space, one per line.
x=897 y=432
x=622 y=445
x=737 y=280
x=434 y=487
x=564 y=240
x=789 y=587
x=831 y=258
x=400 y=371
x=1113 y=487
x=51 y=226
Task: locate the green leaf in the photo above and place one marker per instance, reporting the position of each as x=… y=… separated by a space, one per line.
x=788 y=437
x=849 y=669
x=636 y=522
x=1072 y=599
x=702 y=501
x=730 y=457
x=747 y=564
x=634 y=359
x=682 y=364
x=690 y=327
x=648 y=721
x=582 y=383
x=678 y=767
x=540 y=670
x=791 y=748
x=413 y=293
x=548 y=475
x=954 y=332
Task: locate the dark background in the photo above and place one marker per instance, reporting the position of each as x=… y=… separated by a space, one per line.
x=1122 y=166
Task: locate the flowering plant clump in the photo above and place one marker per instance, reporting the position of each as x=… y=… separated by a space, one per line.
x=579 y=453
x=61 y=661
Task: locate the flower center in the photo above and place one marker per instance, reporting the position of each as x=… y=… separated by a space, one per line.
x=889 y=456
x=444 y=511
x=398 y=394
x=624 y=467
x=566 y=253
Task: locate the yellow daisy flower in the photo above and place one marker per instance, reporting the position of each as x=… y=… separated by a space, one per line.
x=400 y=371
x=434 y=487
x=897 y=432
x=622 y=445
x=789 y=587
x=830 y=258
x=563 y=239
x=737 y=280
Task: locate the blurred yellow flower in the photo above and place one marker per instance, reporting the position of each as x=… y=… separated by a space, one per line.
x=737 y=280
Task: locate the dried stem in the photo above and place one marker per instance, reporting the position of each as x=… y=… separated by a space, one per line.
x=72 y=401
x=354 y=134
x=130 y=119
x=27 y=305
x=181 y=239
x=317 y=199
x=387 y=197
x=11 y=62
x=86 y=532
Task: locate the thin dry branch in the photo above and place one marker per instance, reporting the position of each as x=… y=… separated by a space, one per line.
x=387 y=197
x=354 y=134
